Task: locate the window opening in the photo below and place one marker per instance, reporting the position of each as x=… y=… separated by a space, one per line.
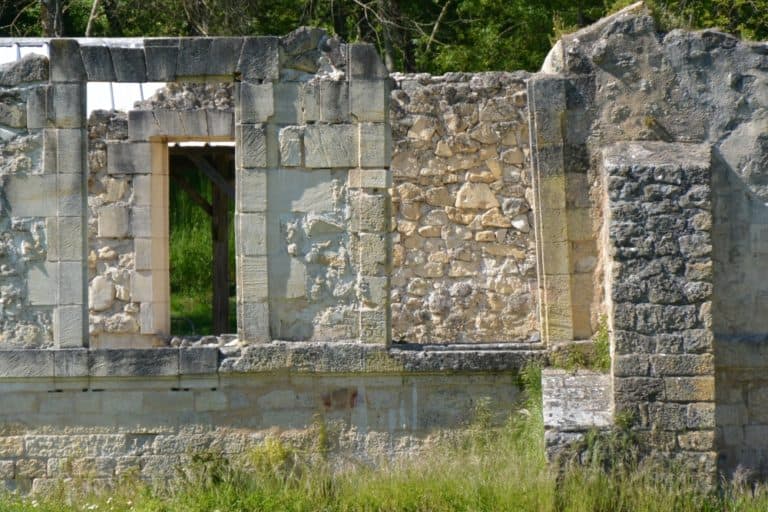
x=201 y=239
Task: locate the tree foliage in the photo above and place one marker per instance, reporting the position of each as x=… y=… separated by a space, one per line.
x=413 y=35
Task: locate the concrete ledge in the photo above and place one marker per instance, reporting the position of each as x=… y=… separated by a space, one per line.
x=293 y=357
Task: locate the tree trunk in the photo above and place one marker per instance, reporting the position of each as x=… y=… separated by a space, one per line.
x=52 y=17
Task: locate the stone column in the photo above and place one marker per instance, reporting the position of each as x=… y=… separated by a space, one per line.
x=65 y=141
x=658 y=200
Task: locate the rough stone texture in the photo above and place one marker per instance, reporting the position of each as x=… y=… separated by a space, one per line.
x=573 y=403
x=463 y=251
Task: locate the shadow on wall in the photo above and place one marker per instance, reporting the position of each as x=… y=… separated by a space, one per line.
x=740 y=318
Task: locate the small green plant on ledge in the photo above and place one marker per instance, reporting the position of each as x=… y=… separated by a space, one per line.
x=592 y=354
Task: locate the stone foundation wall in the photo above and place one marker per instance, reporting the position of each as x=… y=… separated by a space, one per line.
x=464 y=267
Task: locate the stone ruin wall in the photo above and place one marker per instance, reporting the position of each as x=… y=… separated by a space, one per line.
x=463 y=264
x=26 y=251
x=464 y=261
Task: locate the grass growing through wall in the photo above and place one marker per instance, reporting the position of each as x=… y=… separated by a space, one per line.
x=483 y=468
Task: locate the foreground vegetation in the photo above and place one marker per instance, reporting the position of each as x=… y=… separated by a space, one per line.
x=483 y=468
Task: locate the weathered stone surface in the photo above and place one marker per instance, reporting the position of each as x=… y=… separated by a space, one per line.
x=329 y=146
x=259 y=59
x=129 y=64
x=32 y=67
x=97 y=61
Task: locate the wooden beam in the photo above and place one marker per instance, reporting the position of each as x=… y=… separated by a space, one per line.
x=213 y=174
x=193 y=194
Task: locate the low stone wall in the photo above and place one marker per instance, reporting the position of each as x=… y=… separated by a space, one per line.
x=102 y=414
x=464 y=265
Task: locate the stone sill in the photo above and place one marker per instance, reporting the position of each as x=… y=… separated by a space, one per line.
x=294 y=357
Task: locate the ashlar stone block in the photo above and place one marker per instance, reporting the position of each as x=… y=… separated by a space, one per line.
x=161 y=56
x=42 y=284
x=253 y=322
x=66 y=63
x=365 y=63
x=69 y=326
x=70 y=236
x=208 y=56
x=370 y=212
x=375 y=145
x=260 y=59
x=325 y=101
x=253 y=282
x=72 y=284
x=252 y=234
x=70 y=151
x=129 y=64
x=330 y=146
x=66 y=105
x=37 y=111
x=368 y=100
x=31 y=195
x=251 y=190
x=257 y=103
x=369 y=178
x=114 y=222
x=98 y=63
x=375 y=326
x=251 y=145
x=291 y=146
x=129 y=157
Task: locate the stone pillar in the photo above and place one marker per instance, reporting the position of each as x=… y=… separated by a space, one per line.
x=547 y=107
x=658 y=203
x=65 y=147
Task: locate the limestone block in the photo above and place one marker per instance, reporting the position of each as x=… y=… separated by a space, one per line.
x=70 y=151
x=291 y=146
x=373 y=291
x=257 y=103
x=66 y=105
x=70 y=363
x=66 y=63
x=251 y=190
x=373 y=249
x=31 y=195
x=198 y=360
x=42 y=284
x=98 y=63
x=13 y=112
x=546 y=100
x=252 y=234
x=304 y=191
x=364 y=62
x=369 y=178
x=375 y=145
x=325 y=101
x=37 y=113
x=70 y=326
x=129 y=157
x=259 y=59
x=114 y=222
x=368 y=100
x=72 y=284
x=296 y=280
x=329 y=146
x=375 y=326
x=220 y=123
x=251 y=145
x=101 y=294
x=370 y=212
x=129 y=64
x=287 y=103
x=253 y=322
x=476 y=195
x=216 y=56
x=161 y=56
x=71 y=195
x=253 y=278
x=70 y=238
x=159 y=361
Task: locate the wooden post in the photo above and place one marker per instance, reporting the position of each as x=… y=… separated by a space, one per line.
x=220 y=237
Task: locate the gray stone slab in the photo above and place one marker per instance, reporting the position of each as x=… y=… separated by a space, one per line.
x=253 y=321
x=330 y=146
x=129 y=158
x=72 y=282
x=31 y=195
x=251 y=146
x=260 y=59
x=26 y=363
x=70 y=326
x=66 y=105
x=375 y=145
x=251 y=190
x=256 y=104
x=98 y=63
x=369 y=100
x=221 y=123
x=66 y=63
x=161 y=57
x=70 y=363
x=326 y=101
x=32 y=67
x=198 y=360
x=365 y=63
x=42 y=284
x=70 y=151
x=70 y=238
x=662 y=155
x=129 y=64
x=216 y=56
x=133 y=362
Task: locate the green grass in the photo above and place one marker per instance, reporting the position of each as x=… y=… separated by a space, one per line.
x=192 y=314
x=482 y=468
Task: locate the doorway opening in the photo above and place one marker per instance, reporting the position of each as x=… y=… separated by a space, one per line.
x=201 y=239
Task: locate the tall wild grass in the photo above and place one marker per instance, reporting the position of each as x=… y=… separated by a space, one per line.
x=484 y=468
